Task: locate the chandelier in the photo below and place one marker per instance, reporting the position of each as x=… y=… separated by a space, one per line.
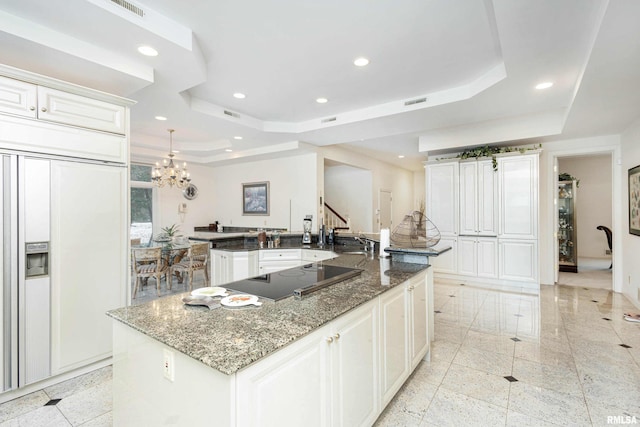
x=169 y=173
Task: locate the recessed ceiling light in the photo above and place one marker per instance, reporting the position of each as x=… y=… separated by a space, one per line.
x=322 y=100
x=161 y=118
x=401 y=156
x=228 y=150
x=237 y=137
x=544 y=85
x=147 y=50
x=239 y=95
x=361 y=62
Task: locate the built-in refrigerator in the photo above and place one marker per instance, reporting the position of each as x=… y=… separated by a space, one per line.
x=63 y=256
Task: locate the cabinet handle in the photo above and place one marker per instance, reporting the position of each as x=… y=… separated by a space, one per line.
x=43 y=109
x=336 y=336
x=32 y=108
x=329 y=339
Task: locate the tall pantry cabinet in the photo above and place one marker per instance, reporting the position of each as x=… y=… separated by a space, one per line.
x=488 y=214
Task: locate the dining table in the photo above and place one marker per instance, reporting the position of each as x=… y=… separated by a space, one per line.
x=172 y=252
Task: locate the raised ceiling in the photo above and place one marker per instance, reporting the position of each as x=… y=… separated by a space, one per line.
x=442 y=74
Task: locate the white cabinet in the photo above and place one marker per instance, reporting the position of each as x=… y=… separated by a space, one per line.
x=417 y=305
x=518 y=201
x=404 y=334
x=245 y=265
x=33 y=101
x=442 y=197
x=478 y=198
x=488 y=207
x=327 y=378
x=66 y=108
x=18 y=97
x=221 y=267
x=478 y=256
x=518 y=260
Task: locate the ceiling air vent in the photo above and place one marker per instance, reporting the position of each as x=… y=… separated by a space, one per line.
x=129 y=6
x=329 y=120
x=415 y=101
x=231 y=114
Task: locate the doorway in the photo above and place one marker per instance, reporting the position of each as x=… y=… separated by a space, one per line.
x=592 y=203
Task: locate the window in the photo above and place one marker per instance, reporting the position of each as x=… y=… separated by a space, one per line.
x=142 y=197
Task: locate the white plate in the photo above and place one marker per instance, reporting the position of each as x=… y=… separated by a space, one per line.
x=240 y=300
x=213 y=291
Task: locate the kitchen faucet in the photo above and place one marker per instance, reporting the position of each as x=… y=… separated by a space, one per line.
x=369 y=244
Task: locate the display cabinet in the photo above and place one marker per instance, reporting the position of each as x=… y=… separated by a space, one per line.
x=567 y=226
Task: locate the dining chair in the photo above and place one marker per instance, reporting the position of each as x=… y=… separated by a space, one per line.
x=197 y=259
x=148 y=262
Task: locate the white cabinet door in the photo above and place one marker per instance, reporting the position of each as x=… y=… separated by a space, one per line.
x=268 y=267
x=518 y=189
x=469 y=198
x=518 y=260
x=62 y=107
x=442 y=197
x=18 y=97
x=355 y=369
x=221 y=267
x=487 y=257
x=418 y=309
x=487 y=199
x=394 y=354
x=88 y=274
x=289 y=388
x=467 y=256
x=280 y=255
x=448 y=261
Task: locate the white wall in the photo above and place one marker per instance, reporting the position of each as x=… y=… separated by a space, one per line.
x=419 y=190
x=384 y=176
x=593 y=202
x=291 y=179
x=348 y=190
x=199 y=209
x=630 y=142
x=609 y=145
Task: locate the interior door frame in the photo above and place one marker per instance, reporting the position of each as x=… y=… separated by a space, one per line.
x=617 y=226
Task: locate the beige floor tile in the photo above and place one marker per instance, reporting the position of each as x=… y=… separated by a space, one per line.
x=548 y=355
x=443 y=350
x=488 y=342
x=516 y=419
x=548 y=405
x=44 y=416
x=480 y=385
x=105 y=420
x=449 y=408
x=487 y=361
x=558 y=378
x=80 y=383
x=87 y=404
x=22 y=405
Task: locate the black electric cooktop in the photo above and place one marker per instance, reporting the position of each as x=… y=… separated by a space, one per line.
x=299 y=280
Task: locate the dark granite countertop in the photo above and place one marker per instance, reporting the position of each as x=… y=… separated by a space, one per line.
x=231 y=339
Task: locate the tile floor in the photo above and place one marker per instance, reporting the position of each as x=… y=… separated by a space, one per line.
x=499 y=359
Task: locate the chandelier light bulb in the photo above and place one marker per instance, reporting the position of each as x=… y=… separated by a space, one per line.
x=170 y=173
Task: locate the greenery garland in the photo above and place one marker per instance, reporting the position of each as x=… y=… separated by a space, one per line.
x=488 y=151
x=568 y=177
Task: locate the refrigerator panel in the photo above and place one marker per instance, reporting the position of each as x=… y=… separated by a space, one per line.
x=8 y=272
x=36 y=323
x=37 y=200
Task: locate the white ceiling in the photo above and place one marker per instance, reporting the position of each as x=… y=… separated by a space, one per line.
x=475 y=62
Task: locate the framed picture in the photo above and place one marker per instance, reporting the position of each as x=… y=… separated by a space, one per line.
x=255 y=198
x=634 y=201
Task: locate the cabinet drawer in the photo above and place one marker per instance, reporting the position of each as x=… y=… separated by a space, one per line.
x=280 y=254
x=315 y=255
x=17 y=97
x=61 y=107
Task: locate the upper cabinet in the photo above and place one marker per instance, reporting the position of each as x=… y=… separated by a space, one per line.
x=518 y=201
x=442 y=197
x=38 y=102
x=478 y=198
x=80 y=123
x=18 y=97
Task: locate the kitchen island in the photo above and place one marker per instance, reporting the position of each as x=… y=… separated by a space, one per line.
x=335 y=357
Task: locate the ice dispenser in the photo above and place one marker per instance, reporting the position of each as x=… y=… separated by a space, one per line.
x=37 y=259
